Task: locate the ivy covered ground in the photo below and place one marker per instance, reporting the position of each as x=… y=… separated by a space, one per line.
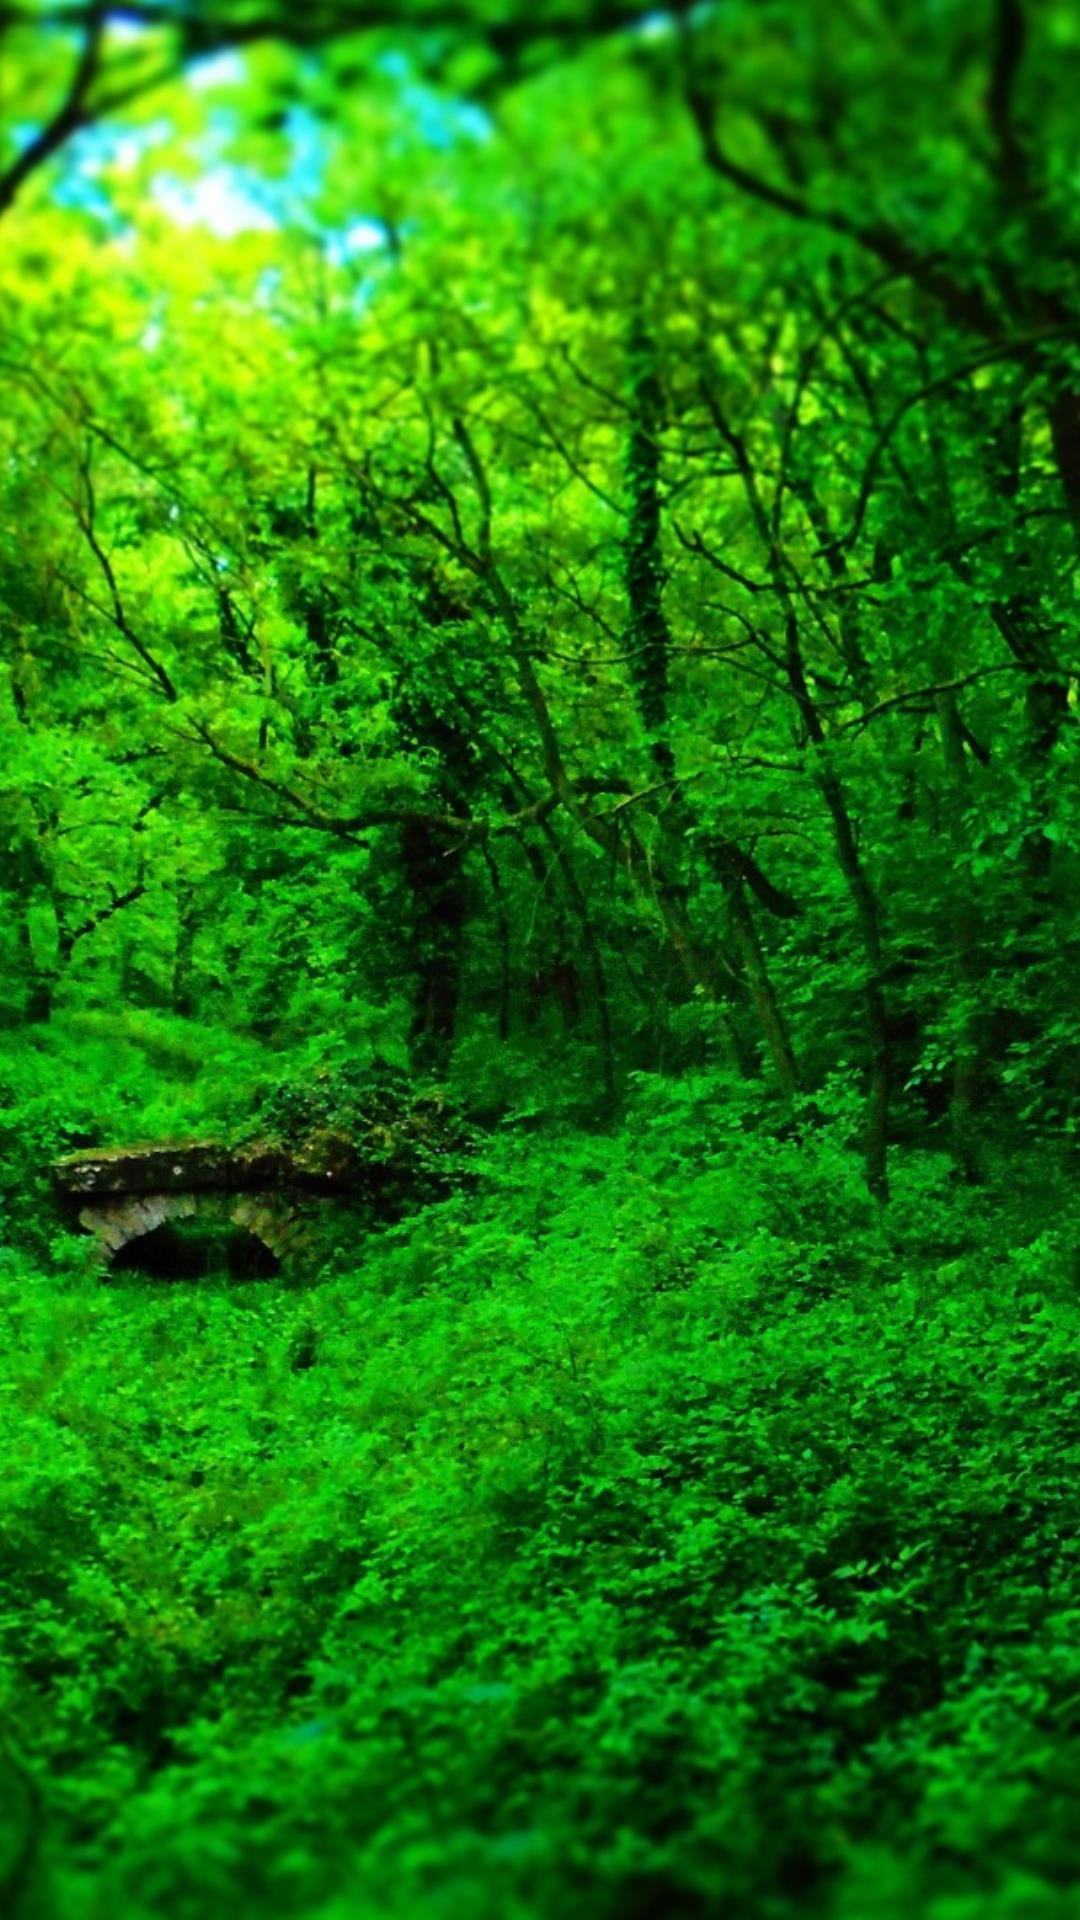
x=642 y=1527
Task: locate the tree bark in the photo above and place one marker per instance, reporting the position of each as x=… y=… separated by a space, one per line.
x=967 y=1063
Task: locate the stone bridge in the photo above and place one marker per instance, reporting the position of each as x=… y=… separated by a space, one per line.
x=259 y=1201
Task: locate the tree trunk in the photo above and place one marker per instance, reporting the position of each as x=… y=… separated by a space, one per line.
x=967 y=1062
x=183 y=1001
x=434 y=873
x=868 y=920
x=762 y=992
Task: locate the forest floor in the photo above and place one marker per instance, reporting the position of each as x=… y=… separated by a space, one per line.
x=648 y=1527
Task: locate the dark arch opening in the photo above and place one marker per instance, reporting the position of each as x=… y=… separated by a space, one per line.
x=196 y=1251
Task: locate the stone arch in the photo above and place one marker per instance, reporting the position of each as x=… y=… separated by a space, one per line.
x=114 y=1223
x=118 y=1222
x=121 y=1194
x=168 y=1253
x=278 y=1225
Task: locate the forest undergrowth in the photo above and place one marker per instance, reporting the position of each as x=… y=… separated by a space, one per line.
x=650 y=1525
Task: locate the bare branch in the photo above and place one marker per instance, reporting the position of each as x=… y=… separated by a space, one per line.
x=73 y=113
x=86 y=516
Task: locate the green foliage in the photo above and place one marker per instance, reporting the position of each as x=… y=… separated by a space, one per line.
x=538 y=565
x=645 y=1531
x=406 y=1135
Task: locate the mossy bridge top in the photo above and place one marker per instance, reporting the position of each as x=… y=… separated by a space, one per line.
x=265 y=1194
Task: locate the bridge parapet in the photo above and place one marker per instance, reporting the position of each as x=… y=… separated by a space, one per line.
x=195 y=1166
